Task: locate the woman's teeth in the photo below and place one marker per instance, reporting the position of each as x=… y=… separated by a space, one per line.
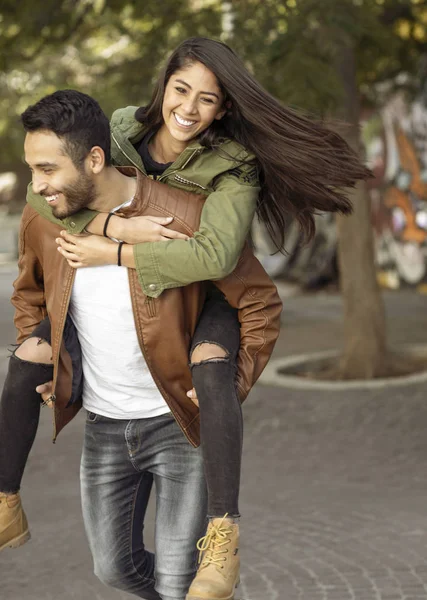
x=182 y=121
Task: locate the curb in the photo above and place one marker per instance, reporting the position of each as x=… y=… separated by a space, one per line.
x=271 y=375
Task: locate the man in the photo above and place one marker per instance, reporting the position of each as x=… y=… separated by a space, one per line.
x=135 y=362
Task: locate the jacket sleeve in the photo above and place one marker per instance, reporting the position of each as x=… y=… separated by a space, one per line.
x=251 y=291
x=214 y=250
x=28 y=297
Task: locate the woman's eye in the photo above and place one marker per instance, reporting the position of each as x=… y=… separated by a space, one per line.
x=208 y=100
x=180 y=90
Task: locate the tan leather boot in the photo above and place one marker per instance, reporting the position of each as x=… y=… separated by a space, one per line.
x=219 y=571
x=13 y=523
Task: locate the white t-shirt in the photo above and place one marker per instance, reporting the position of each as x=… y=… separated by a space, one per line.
x=117 y=381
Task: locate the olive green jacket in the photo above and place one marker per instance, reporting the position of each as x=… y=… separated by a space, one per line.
x=223 y=175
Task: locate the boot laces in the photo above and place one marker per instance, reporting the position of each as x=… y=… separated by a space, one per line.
x=211 y=546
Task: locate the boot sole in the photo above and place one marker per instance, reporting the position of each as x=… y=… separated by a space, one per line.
x=232 y=597
x=18 y=541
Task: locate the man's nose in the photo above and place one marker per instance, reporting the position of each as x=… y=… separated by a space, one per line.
x=38 y=184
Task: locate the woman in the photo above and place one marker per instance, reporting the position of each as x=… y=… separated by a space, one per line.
x=211 y=129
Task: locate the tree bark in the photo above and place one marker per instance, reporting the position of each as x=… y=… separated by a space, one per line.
x=365 y=347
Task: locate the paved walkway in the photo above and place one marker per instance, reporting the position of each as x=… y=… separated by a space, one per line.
x=334 y=490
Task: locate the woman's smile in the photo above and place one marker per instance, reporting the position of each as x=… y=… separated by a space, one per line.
x=183 y=122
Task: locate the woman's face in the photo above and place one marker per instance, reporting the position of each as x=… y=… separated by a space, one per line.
x=191 y=102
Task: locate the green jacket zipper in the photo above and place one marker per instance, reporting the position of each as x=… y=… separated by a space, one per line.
x=188 y=182
x=167 y=174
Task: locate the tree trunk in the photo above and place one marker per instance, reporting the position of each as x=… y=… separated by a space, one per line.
x=365 y=347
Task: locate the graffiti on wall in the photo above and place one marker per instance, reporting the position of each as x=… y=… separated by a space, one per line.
x=395 y=139
x=397 y=152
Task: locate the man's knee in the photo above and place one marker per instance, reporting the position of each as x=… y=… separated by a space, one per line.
x=35 y=350
x=113 y=573
x=208 y=352
x=109 y=574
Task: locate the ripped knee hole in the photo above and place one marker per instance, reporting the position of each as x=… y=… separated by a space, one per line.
x=36 y=350
x=206 y=352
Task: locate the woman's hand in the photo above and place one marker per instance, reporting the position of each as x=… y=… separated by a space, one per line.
x=137 y=230
x=87 y=250
x=45 y=390
x=192 y=394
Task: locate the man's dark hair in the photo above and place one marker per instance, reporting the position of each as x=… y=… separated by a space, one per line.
x=74 y=117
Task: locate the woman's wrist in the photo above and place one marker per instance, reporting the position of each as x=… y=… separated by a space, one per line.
x=111 y=253
x=128 y=259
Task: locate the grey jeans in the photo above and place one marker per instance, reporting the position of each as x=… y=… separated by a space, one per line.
x=120 y=462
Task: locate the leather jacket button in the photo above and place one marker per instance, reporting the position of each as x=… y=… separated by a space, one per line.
x=152 y=287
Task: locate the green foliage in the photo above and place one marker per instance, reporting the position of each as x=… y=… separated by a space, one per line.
x=108 y=48
x=112 y=48
x=294 y=45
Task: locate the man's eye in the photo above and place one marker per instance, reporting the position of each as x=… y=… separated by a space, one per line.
x=47 y=171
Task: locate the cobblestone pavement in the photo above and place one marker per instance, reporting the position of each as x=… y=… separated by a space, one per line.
x=334 y=487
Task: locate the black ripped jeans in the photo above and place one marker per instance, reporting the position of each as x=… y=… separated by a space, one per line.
x=221 y=420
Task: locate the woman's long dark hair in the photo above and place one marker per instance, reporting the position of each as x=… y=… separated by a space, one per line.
x=303 y=164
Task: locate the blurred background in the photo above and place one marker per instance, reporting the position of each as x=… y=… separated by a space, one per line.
x=112 y=49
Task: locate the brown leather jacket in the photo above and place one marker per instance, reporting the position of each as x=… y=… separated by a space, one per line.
x=165 y=325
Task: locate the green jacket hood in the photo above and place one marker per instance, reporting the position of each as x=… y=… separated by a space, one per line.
x=123 y=123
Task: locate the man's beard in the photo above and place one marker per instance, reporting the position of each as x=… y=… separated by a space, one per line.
x=80 y=194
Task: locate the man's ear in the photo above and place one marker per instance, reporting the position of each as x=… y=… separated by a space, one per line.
x=96 y=159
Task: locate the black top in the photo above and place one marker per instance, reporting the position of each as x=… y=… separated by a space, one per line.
x=152 y=167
